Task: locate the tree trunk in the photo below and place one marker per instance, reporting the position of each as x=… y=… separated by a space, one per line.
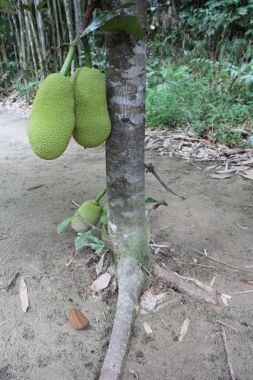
x=56 y=18
x=41 y=29
x=22 y=40
x=36 y=40
x=126 y=81
x=31 y=42
x=78 y=25
x=68 y=12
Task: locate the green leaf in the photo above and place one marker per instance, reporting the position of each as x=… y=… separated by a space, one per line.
x=242 y=11
x=100 y=20
x=149 y=200
x=63 y=225
x=104 y=219
x=41 y=5
x=8 y=11
x=4 y=3
x=27 y=7
x=127 y=23
x=86 y=239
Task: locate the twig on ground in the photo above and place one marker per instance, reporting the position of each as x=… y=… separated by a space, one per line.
x=229 y=361
x=221 y=262
x=150 y=168
x=75 y=203
x=34 y=187
x=10 y=283
x=165 y=324
x=225 y=324
x=203 y=266
x=2 y=324
x=145 y=270
x=242 y=292
x=4 y=237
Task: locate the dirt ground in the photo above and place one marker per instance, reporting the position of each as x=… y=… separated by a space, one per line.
x=217 y=216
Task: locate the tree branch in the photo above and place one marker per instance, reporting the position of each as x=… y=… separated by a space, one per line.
x=88 y=13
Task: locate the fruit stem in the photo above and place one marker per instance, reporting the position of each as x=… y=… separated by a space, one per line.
x=68 y=61
x=87 y=52
x=101 y=195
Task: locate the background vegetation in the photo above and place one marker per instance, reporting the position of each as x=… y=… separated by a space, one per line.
x=200 y=72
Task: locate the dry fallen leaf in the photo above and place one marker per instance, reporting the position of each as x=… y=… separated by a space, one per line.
x=23 y=295
x=220 y=176
x=248 y=175
x=77 y=319
x=101 y=282
x=161 y=298
x=225 y=298
x=147 y=328
x=148 y=300
x=247 y=282
x=183 y=330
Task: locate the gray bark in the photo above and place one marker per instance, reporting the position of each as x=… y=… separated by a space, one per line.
x=36 y=40
x=57 y=30
x=41 y=29
x=31 y=42
x=126 y=81
x=68 y=12
x=78 y=26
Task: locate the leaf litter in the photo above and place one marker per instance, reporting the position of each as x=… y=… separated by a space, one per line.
x=189 y=146
x=23 y=295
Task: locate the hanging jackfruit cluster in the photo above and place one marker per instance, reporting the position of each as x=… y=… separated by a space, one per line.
x=63 y=107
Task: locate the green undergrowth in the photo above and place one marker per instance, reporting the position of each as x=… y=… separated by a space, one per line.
x=214 y=99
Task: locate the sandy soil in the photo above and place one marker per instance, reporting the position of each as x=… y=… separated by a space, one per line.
x=41 y=344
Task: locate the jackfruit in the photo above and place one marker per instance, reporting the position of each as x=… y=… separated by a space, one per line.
x=52 y=117
x=86 y=216
x=93 y=124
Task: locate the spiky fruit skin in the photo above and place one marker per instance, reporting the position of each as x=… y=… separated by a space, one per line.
x=90 y=212
x=93 y=124
x=78 y=225
x=86 y=216
x=52 y=118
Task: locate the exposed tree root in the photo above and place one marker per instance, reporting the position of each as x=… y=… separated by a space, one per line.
x=130 y=278
x=188 y=287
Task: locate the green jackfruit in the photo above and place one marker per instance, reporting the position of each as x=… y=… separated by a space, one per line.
x=86 y=216
x=93 y=124
x=52 y=117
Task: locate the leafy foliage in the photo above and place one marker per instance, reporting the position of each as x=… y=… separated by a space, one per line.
x=202 y=94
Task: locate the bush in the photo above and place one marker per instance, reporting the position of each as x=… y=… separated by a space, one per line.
x=212 y=98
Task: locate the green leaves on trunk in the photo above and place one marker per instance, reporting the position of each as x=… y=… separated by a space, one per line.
x=87 y=239
x=111 y=21
x=126 y=23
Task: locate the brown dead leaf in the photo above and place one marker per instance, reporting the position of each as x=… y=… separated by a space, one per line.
x=183 y=331
x=246 y=281
x=225 y=297
x=220 y=176
x=147 y=328
x=149 y=300
x=101 y=282
x=78 y=320
x=23 y=295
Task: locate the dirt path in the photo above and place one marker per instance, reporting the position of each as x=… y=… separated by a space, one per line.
x=40 y=344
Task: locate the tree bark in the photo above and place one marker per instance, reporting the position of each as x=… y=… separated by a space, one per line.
x=126 y=82
x=41 y=30
x=78 y=26
x=68 y=12
x=58 y=36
